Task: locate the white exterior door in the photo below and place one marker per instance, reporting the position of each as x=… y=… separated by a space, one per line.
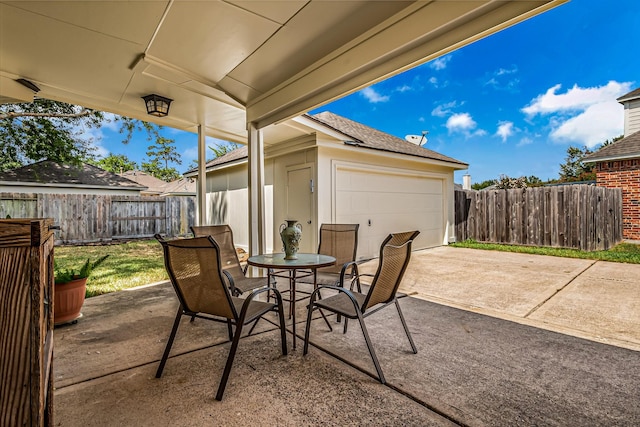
x=387 y=201
x=300 y=205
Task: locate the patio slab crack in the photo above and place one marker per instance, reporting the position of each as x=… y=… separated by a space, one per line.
x=580 y=273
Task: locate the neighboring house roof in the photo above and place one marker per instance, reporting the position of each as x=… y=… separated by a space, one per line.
x=182 y=186
x=359 y=136
x=367 y=137
x=50 y=173
x=153 y=184
x=629 y=96
x=625 y=148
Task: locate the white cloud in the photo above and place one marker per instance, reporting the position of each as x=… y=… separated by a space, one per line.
x=593 y=126
x=373 y=96
x=461 y=122
x=440 y=63
x=586 y=116
x=444 y=109
x=575 y=99
x=403 y=88
x=505 y=130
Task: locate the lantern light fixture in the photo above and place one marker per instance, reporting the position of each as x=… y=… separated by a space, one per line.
x=157 y=105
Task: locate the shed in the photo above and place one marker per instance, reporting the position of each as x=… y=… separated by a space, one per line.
x=328 y=169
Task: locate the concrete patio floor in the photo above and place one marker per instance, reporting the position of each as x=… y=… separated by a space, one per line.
x=494 y=363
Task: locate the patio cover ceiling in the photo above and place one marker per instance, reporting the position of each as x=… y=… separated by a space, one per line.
x=227 y=63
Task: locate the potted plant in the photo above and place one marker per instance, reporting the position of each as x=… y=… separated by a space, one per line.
x=70 y=289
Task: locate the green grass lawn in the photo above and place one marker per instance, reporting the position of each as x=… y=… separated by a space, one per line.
x=623 y=252
x=129 y=264
x=139 y=263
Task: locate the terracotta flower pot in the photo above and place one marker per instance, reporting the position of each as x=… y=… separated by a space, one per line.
x=68 y=300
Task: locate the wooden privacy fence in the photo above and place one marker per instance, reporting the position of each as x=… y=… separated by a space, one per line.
x=86 y=218
x=570 y=216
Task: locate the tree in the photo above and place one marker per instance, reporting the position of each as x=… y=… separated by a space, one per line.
x=505 y=182
x=160 y=154
x=46 y=129
x=116 y=163
x=221 y=149
x=574 y=168
x=483 y=184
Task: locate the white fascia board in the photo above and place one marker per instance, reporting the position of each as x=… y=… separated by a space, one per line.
x=613 y=158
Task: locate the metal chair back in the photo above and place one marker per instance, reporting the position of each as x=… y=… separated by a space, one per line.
x=395 y=253
x=195 y=272
x=339 y=241
x=223 y=236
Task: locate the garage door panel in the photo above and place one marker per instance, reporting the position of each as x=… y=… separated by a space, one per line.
x=383 y=203
x=364 y=202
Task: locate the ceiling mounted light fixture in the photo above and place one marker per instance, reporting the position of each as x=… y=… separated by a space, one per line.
x=157 y=105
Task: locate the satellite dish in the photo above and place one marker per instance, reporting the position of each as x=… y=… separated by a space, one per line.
x=417 y=139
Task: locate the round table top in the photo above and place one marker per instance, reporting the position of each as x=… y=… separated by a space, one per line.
x=304 y=261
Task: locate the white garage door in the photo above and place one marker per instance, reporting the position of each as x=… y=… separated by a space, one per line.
x=387 y=202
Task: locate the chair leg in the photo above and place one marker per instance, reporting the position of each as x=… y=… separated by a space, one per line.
x=283 y=328
x=167 y=349
x=406 y=329
x=230 y=329
x=371 y=350
x=346 y=322
x=310 y=309
x=227 y=367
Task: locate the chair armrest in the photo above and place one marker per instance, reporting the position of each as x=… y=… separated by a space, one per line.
x=232 y=285
x=355 y=275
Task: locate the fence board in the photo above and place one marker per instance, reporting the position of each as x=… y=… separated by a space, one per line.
x=573 y=216
x=86 y=218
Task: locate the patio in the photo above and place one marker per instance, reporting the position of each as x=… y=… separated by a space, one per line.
x=471 y=369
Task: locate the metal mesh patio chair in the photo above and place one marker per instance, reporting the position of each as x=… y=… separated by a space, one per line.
x=341 y=242
x=223 y=236
x=395 y=254
x=195 y=270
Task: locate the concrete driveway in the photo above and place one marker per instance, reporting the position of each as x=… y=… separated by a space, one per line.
x=596 y=300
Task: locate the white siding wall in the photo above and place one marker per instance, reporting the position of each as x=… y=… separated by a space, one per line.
x=227 y=202
x=631 y=117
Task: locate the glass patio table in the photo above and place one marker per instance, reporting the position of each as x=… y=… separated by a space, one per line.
x=276 y=265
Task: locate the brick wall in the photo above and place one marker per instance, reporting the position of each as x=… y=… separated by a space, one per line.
x=624 y=174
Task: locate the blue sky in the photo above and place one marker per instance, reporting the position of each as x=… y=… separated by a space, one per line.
x=510 y=104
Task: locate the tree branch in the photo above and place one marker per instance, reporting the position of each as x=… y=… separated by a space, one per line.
x=13 y=115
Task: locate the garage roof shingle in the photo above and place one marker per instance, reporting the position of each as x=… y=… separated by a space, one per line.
x=368 y=137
